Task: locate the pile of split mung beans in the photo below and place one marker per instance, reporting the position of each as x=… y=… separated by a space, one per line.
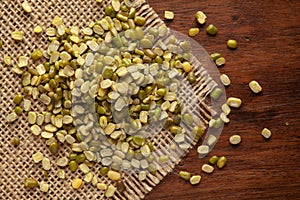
x=101 y=86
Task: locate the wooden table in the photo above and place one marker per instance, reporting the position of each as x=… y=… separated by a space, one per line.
x=268 y=34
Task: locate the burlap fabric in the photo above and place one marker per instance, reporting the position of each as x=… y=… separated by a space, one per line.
x=16 y=163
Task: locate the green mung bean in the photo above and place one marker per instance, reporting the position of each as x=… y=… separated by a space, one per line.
x=232 y=44
x=211 y=30
x=213 y=160
x=221 y=162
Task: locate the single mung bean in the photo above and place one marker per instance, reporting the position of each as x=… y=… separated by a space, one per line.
x=211 y=30
x=140 y=21
x=46 y=164
x=115 y=176
x=54 y=148
x=44 y=187
x=37 y=29
x=11 y=117
x=102 y=186
x=17 y=99
x=26 y=7
x=255 y=87
x=84 y=168
x=88 y=177
x=139 y=140
x=18 y=110
x=161 y=91
x=104 y=170
x=116 y=5
x=130 y=154
x=109 y=11
x=7 y=60
x=225 y=80
x=31 y=183
x=200 y=17
x=191 y=77
x=220 y=61
x=221 y=162
x=175 y=129
x=76 y=183
x=226 y=109
x=193 y=31
x=31 y=117
x=266 y=133
x=203 y=149
x=213 y=160
x=188 y=119
x=218 y=123
x=110 y=191
x=194 y=180
x=35 y=129
x=232 y=44
x=224 y=118
x=142 y=175
x=211 y=140
x=216 y=93
x=169 y=15
x=187 y=67
x=185 y=175
x=61 y=173
x=120 y=186
x=15 y=141
x=234 y=102
x=131 y=13
x=103 y=121
x=176 y=119
x=17 y=35
x=73 y=165
x=207 y=168
x=37 y=157
x=163 y=159
x=36 y=54
x=235 y=139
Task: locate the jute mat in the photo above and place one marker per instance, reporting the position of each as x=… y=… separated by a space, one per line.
x=16 y=163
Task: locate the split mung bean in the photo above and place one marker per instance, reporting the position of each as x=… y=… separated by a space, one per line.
x=266 y=133
x=169 y=15
x=193 y=32
x=225 y=80
x=220 y=61
x=234 y=102
x=200 y=17
x=235 y=139
x=194 y=180
x=207 y=168
x=255 y=87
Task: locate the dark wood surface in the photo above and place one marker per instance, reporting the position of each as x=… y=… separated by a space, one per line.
x=268 y=33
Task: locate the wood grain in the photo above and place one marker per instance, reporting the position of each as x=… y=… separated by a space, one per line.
x=268 y=33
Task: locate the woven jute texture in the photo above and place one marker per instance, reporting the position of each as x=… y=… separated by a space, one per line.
x=16 y=163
